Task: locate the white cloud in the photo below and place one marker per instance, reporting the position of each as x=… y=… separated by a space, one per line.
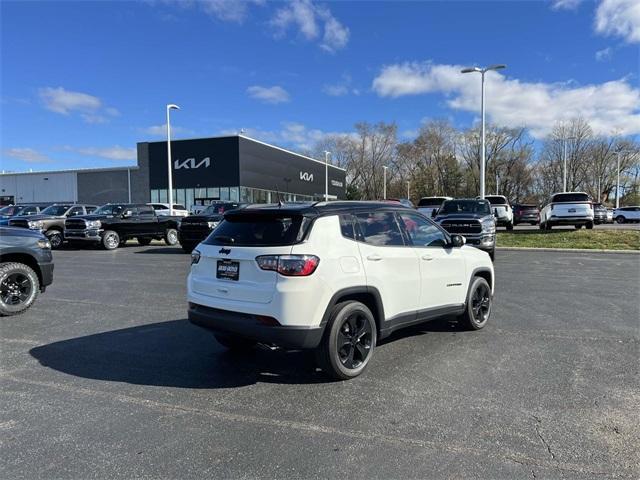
x=608 y=107
x=66 y=102
x=313 y=22
x=341 y=88
x=619 y=18
x=161 y=130
x=28 y=155
x=228 y=10
x=604 y=54
x=565 y=4
x=272 y=95
x=293 y=135
x=116 y=152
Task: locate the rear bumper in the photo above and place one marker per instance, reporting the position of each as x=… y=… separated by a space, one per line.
x=526 y=219
x=569 y=220
x=248 y=326
x=46 y=270
x=196 y=236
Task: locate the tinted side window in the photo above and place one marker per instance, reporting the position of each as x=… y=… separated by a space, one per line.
x=422 y=232
x=76 y=211
x=346 y=226
x=379 y=228
x=29 y=211
x=145 y=211
x=90 y=209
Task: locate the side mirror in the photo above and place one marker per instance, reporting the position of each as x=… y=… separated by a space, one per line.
x=458 y=240
x=127 y=214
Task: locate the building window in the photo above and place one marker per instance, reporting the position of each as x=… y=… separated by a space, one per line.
x=189 y=196
x=213 y=193
x=224 y=193
x=234 y=194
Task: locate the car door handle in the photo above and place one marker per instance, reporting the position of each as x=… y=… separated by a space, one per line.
x=428 y=257
x=374 y=257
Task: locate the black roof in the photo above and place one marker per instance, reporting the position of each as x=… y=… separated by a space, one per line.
x=318 y=208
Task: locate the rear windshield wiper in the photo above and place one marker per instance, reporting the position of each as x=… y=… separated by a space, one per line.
x=224 y=238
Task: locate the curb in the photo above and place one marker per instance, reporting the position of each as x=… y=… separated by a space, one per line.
x=572 y=250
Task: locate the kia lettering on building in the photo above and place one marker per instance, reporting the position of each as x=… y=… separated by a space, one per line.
x=190 y=163
x=306 y=176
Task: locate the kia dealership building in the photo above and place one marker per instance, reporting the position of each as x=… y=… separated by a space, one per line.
x=234 y=168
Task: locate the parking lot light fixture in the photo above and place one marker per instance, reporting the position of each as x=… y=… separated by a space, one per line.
x=482 y=71
x=170 y=107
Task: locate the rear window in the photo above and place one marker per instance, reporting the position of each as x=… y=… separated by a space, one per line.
x=431 y=202
x=527 y=207
x=177 y=206
x=496 y=200
x=570 y=197
x=249 y=230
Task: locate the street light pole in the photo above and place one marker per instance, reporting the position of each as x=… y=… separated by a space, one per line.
x=384 y=182
x=170 y=169
x=482 y=71
x=564 y=161
x=408 y=190
x=326 y=175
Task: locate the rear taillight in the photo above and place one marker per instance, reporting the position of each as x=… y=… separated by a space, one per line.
x=289 y=265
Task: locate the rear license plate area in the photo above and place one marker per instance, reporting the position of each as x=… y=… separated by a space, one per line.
x=228 y=270
x=572 y=210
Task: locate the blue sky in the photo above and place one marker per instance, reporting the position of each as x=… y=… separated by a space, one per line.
x=82 y=82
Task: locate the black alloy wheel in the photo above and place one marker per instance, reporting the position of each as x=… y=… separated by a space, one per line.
x=481 y=303
x=19 y=288
x=354 y=340
x=55 y=238
x=478 y=307
x=349 y=340
x=15 y=289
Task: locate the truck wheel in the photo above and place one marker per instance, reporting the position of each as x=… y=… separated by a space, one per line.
x=348 y=342
x=143 y=240
x=478 y=307
x=509 y=226
x=171 y=237
x=589 y=226
x=55 y=238
x=19 y=288
x=110 y=240
x=187 y=247
x=235 y=343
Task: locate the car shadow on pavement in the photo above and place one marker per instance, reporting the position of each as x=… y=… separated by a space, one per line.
x=178 y=354
x=174 y=354
x=170 y=250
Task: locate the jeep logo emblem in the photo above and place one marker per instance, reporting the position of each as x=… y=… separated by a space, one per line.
x=190 y=163
x=224 y=251
x=306 y=176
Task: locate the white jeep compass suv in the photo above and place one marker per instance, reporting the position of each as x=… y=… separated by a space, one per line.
x=333 y=276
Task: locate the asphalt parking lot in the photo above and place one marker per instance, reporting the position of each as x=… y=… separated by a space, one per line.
x=105 y=378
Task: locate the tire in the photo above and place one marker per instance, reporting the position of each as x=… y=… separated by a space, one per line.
x=19 y=288
x=533 y=224
x=110 y=240
x=143 y=240
x=187 y=247
x=577 y=227
x=56 y=238
x=231 y=342
x=548 y=226
x=620 y=219
x=478 y=306
x=348 y=342
x=589 y=226
x=509 y=227
x=171 y=237
x=542 y=226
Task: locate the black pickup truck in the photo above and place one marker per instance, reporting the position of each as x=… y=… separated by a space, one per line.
x=195 y=228
x=471 y=218
x=113 y=224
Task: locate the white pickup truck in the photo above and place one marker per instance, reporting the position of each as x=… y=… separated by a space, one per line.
x=501 y=210
x=569 y=208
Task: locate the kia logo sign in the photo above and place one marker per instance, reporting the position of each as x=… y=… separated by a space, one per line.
x=306 y=176
x=190 y=163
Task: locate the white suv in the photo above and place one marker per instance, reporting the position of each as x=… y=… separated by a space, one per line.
x=335 y=277
x=627 y=214
x=568 y=208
